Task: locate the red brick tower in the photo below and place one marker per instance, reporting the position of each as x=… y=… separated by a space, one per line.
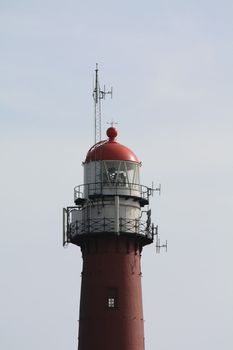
x=111 y=229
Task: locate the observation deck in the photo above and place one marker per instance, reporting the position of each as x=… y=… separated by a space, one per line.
x=78 y=231
x=105 y=189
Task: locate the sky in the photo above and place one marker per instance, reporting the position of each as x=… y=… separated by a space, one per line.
x=170 y=65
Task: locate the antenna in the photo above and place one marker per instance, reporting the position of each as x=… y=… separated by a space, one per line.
x=152 y=189
x=158 y=189
x=158 y=244
x=98 y=95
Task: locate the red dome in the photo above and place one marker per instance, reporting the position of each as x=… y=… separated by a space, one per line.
x=110 y=150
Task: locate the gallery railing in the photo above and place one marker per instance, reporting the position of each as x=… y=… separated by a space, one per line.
x=107 y=225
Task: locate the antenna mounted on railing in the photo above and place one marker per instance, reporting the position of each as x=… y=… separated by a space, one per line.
x=155 y=230
x=158 y=189
x=98 y=95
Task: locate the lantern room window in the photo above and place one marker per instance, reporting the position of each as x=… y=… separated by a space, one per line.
x=122 y=173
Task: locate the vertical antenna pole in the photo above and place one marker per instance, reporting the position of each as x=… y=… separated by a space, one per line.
x=98 y=95
x=97 y=107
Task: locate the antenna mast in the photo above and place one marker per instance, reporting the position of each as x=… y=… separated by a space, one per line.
x=98 y=95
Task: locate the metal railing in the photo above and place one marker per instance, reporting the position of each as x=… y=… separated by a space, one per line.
x=112 y=188
x=107 y=225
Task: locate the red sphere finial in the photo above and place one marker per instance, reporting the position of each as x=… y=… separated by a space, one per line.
x=112 y=133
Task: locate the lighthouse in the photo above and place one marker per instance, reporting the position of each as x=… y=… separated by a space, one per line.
x=111 y=223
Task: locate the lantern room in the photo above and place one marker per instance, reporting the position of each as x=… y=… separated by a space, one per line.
x=111 y=169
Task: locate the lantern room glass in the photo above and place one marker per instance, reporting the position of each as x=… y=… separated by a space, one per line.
x=121 y=173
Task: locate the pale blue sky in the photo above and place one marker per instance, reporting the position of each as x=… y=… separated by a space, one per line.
x=170 y=64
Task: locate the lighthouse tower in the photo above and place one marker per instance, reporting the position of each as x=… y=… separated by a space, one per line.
x=111 y=223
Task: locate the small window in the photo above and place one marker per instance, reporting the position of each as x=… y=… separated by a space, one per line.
x=112 y=299
x=111 y=303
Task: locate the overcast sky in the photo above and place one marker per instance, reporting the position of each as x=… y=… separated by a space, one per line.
x=170 y=64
